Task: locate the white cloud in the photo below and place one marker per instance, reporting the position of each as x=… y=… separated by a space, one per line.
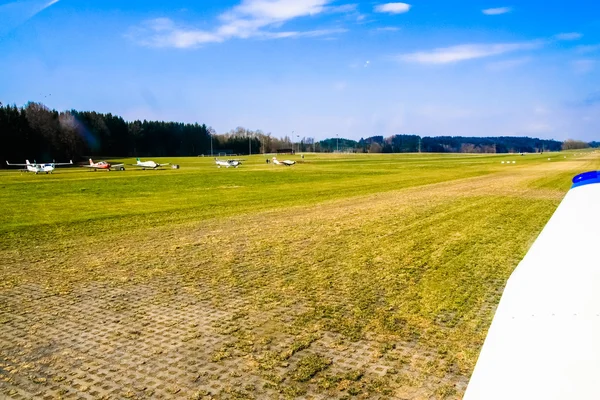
x=345 y=8
x=387 y=29
x=275 y=10
x=568 y=36
x=464 y=52
x=496 y=11
x=393 y=8
x=163 y=32
x=251 y=18
x=297 y=34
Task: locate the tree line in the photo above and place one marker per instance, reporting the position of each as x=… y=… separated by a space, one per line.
x=37 y=132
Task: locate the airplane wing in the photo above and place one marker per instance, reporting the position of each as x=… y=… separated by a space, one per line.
x=116 y=165
x=544 y=339
x=163 y=165
x=18 y=165
x=66 y=163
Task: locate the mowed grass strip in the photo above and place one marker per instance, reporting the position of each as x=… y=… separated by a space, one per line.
x=418 y=259
x=131 y=199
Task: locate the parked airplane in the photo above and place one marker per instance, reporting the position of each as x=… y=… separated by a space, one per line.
x=148 y=164
x=543 y=341
x=37 y=168
x=103 y=165
x=228 y=163
x=284 y=162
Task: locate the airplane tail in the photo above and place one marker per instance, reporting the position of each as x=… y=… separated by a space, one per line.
x=27 y=162
x=91 y=162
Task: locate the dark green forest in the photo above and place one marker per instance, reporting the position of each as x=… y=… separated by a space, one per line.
x=36 y=132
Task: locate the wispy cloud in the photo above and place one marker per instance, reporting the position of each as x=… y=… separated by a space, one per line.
x=345 y=8
x=298 y=34
x=568 y=36
x=453 y=54
x=17 y=13
x=497 y=11
x=387 y=29
x=393 y=8
x=249 y=19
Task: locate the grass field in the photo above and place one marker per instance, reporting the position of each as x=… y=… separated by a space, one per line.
x=344 y=276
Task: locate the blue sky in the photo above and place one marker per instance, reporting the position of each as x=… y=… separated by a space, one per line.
x=316 y=67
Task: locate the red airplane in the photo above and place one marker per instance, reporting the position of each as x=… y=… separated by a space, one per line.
x=104 y=165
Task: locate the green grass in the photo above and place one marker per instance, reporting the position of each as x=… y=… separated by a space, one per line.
x=412 y=248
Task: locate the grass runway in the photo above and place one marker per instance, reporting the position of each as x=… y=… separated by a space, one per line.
x=344 y=276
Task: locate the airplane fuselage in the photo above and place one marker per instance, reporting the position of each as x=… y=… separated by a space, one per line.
x=148 y=164
x=40 y=168
x=227 y=164
x=37 y=168
x=101 y=165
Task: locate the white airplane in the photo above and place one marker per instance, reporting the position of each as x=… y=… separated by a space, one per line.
x=103 y=165
x=37 y=168
x=227 y=164
x=543 y=342
x=287 y=163
x=148 y=164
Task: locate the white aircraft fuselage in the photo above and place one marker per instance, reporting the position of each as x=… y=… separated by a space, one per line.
x=39 y=168
x=148 y=164
x=287 y=163
x=227 y=164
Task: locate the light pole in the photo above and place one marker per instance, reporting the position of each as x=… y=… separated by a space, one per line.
x=298 y=142
x=292 y=141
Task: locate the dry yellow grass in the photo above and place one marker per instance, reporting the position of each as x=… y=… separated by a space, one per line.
x=385 y=293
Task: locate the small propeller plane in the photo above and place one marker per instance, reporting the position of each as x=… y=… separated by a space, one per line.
x=39 y=168
x=287 y=163
x=228 y=163
x=148 y=164
x=103 y=165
